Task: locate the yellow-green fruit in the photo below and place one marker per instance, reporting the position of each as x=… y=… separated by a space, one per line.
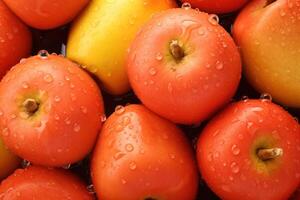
x=100 y=37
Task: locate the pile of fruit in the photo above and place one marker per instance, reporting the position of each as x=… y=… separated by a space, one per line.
x=149 y=99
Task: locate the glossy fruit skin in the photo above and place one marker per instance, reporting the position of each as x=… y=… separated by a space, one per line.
x=226 y=152
x=46 y=14
x=217 y=6
x=99 y=39
x=193 y=89
x=8 y=161
x=15 y=39
x=43 y=183
x=269 y=41
x=65 y=127
x=140 y=155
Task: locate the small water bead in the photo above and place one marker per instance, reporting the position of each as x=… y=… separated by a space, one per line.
x=219 y=66
x=119 y=155
x=103 y=118
x=25 y=85
x=186 y=6
x=234 y=167
x=123 y=181
x=132 y=165
x=129 y=147
x=83 y=109
x=159 y=56
x=119 y=109
x=66 y=166
x=43 y=54
x=57 y=99
x=235 y=150
x=213 y=19
x=91 y=189
x=152 y=71
x=5 y=132
x=76 y=127
x=245 y=98
x=48 y=78
x=265 y=97
x=25 y=163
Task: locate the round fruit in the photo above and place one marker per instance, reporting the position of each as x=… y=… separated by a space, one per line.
x=217 y=6
x=142 y=156
x=15 y=39
x=268 y=34
x=50 y=110
x=8 y=161
x=43 y=183
x=251 y=151
x=46 y=14
x=183 y=65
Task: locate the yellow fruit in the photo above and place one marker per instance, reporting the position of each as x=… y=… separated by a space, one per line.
x=100 y=37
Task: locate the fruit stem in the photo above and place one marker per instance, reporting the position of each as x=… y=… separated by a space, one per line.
x=267 y=154
x=31 y=106
x=176 y=50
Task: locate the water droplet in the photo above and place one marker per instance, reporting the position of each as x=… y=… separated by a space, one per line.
x=230 y=178
x=67 y=78
x=213 y=19
x=152 y=71
x=234 y=167
x=266 y=97
x=249 y=125
x=67 y=121
x=119 y=109
x=282 y=13
x=66 y=166
x=132 y=165
x=219 y=66
x=129 y=147
x=76 y=127
x=57 y=99
x=91 y=189
x=235 y=150
x=103 y=118
x=119 y=155
x=172 y=156
x=245 y=98
x=123 y=181
x=25 y=85
x=186 y=6
x=126 y=120
x=210 y=157
x=25 y=163
x=83 y=109
x=43 y=54
x=159 y=56
x=48 y=78
x=5 y=132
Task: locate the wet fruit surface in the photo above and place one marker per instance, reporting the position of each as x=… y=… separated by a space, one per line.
x=55 y=41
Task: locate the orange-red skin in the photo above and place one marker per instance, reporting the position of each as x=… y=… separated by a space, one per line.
x=240 y=126
x=201 y=83
x=15 y=39
x=69 y=118
x=42 y=183
x=139 y=155
x=46 y=14
x=217 y=6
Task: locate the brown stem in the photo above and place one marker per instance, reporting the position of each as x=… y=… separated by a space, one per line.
x=176 y=50
x=267 y=154
x=31 y=106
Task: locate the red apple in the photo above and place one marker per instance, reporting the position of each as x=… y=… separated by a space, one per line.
x=50 y=110
x=141 y=156
x=183 y=65
x=268 y=34
x=251 y=151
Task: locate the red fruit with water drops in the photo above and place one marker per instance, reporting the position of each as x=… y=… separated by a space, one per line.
x=183 y=65
x=142 y=156
x=251 y=151
x=217 y=6
x=46 y=14
x=51 y=110
x=15 y=39
x=44 y=184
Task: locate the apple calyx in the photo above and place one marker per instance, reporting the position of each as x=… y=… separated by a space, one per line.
x=31 y=106
x=267 y=154
x=176 y=50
